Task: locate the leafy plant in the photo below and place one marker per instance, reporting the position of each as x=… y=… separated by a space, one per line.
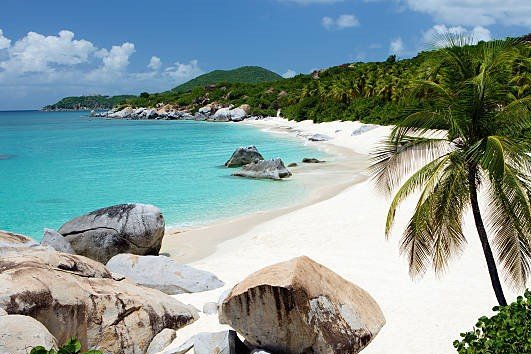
x=73 y=346
x=507 y=332
x=471 y=95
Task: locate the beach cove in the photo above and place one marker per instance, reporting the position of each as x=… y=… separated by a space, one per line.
x=342 y=227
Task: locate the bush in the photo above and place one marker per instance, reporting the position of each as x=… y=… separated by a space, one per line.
x=507 y=332
x=71 y=347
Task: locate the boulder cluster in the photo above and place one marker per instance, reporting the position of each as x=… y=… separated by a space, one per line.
x=210 y=112
x=253 y=165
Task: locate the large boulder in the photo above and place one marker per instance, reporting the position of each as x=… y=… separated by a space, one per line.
x=224 y=342
x=300 y=306
x=18 y=334
x=13 y=240
x=74 y=296
x=272 y=169
x=124 y=228
x=170 y=277
x=55 y=240
x=243 y=156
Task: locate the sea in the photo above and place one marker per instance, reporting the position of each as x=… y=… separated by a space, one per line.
x=57 y=165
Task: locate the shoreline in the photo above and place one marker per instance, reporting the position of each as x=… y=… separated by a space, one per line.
x=192 y=244
x=345 y=232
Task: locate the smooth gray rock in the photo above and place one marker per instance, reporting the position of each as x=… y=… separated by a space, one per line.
x=74 y=296
x=293 y=164
x=55 y=240
x=161 y=341
x=124 y=228
x=272 y=169
x=170 y=277
x=319 y=137
x=225 y=342
x=363 y=129
x=243 y=156
x=210 y=308
x=311 y=160
x=18 y=334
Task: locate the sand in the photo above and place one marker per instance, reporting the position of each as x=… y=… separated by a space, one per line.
x=341 y=225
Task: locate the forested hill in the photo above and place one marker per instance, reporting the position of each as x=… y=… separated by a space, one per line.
x=376 y=92
x=88 y=102
x=245 y=74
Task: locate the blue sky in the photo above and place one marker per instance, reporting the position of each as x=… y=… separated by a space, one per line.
x=51 y=49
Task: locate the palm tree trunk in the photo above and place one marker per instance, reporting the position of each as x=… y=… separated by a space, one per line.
x=491 y=264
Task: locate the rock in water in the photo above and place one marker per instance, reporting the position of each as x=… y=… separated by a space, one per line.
x=319 y=137
x=55 y=240
x=124 y=228
x=301 y=306
x=170 y=277
x=161 y=341
x=243 y=156
x=273 y=169
x=74 y=296
x=18 y=334
x=311 y=160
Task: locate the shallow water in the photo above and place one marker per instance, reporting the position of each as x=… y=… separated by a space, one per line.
x=57 y=165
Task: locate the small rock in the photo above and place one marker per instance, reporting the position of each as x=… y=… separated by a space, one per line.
x=225 y=342
x=3 y=312
x=55 y=240
x=170 y=277
x=18 y=333
x=210 y=308
x=272 y=169
x=243 y=156
x=293 y=164
x=161 y=341
x=311 y=160
x=319 y=137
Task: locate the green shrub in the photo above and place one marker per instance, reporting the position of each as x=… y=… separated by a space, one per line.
x=71 y=347
x=507 y=332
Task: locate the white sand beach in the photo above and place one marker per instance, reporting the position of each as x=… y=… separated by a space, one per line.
x=342 y=227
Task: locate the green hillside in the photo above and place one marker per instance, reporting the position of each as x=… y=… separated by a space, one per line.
x=245 y=74
x=88 y=102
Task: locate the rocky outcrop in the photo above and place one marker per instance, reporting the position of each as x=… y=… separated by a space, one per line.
x=10 y=240
x=124 y=228
x=311 y=160
x=300 y=306
x=55 y=240
x=18 y=334
x=74 y=296
x=228 y=114
x=319 y=137
x=272 y=169
x=243 y=156
x=170 y=277
x=161 y=341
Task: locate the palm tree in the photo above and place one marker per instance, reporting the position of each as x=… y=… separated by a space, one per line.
x=469 y=89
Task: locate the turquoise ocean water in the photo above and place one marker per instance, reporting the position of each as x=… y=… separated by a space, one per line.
x=57 y=165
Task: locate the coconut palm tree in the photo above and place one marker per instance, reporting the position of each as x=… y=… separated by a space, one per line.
x=476 y=156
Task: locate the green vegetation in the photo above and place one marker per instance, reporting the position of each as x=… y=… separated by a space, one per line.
x=71 y=347
x=245 y=74
x=469 y=93
x=88 y=102
x=508 y=332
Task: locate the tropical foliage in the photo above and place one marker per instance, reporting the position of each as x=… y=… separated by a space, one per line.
x=245 y=74
x=470 y=94
x=88 y=102
x=508 y=332
x=71 y=347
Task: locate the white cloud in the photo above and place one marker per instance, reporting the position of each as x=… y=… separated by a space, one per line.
x=181 y=71
x=38 y=69
x=38 y=53
x=4 y=42
x=154 y=63
x=475 y=12
x=343 y=21
x=288 y=74
x=397 y=46
x=435 y=35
